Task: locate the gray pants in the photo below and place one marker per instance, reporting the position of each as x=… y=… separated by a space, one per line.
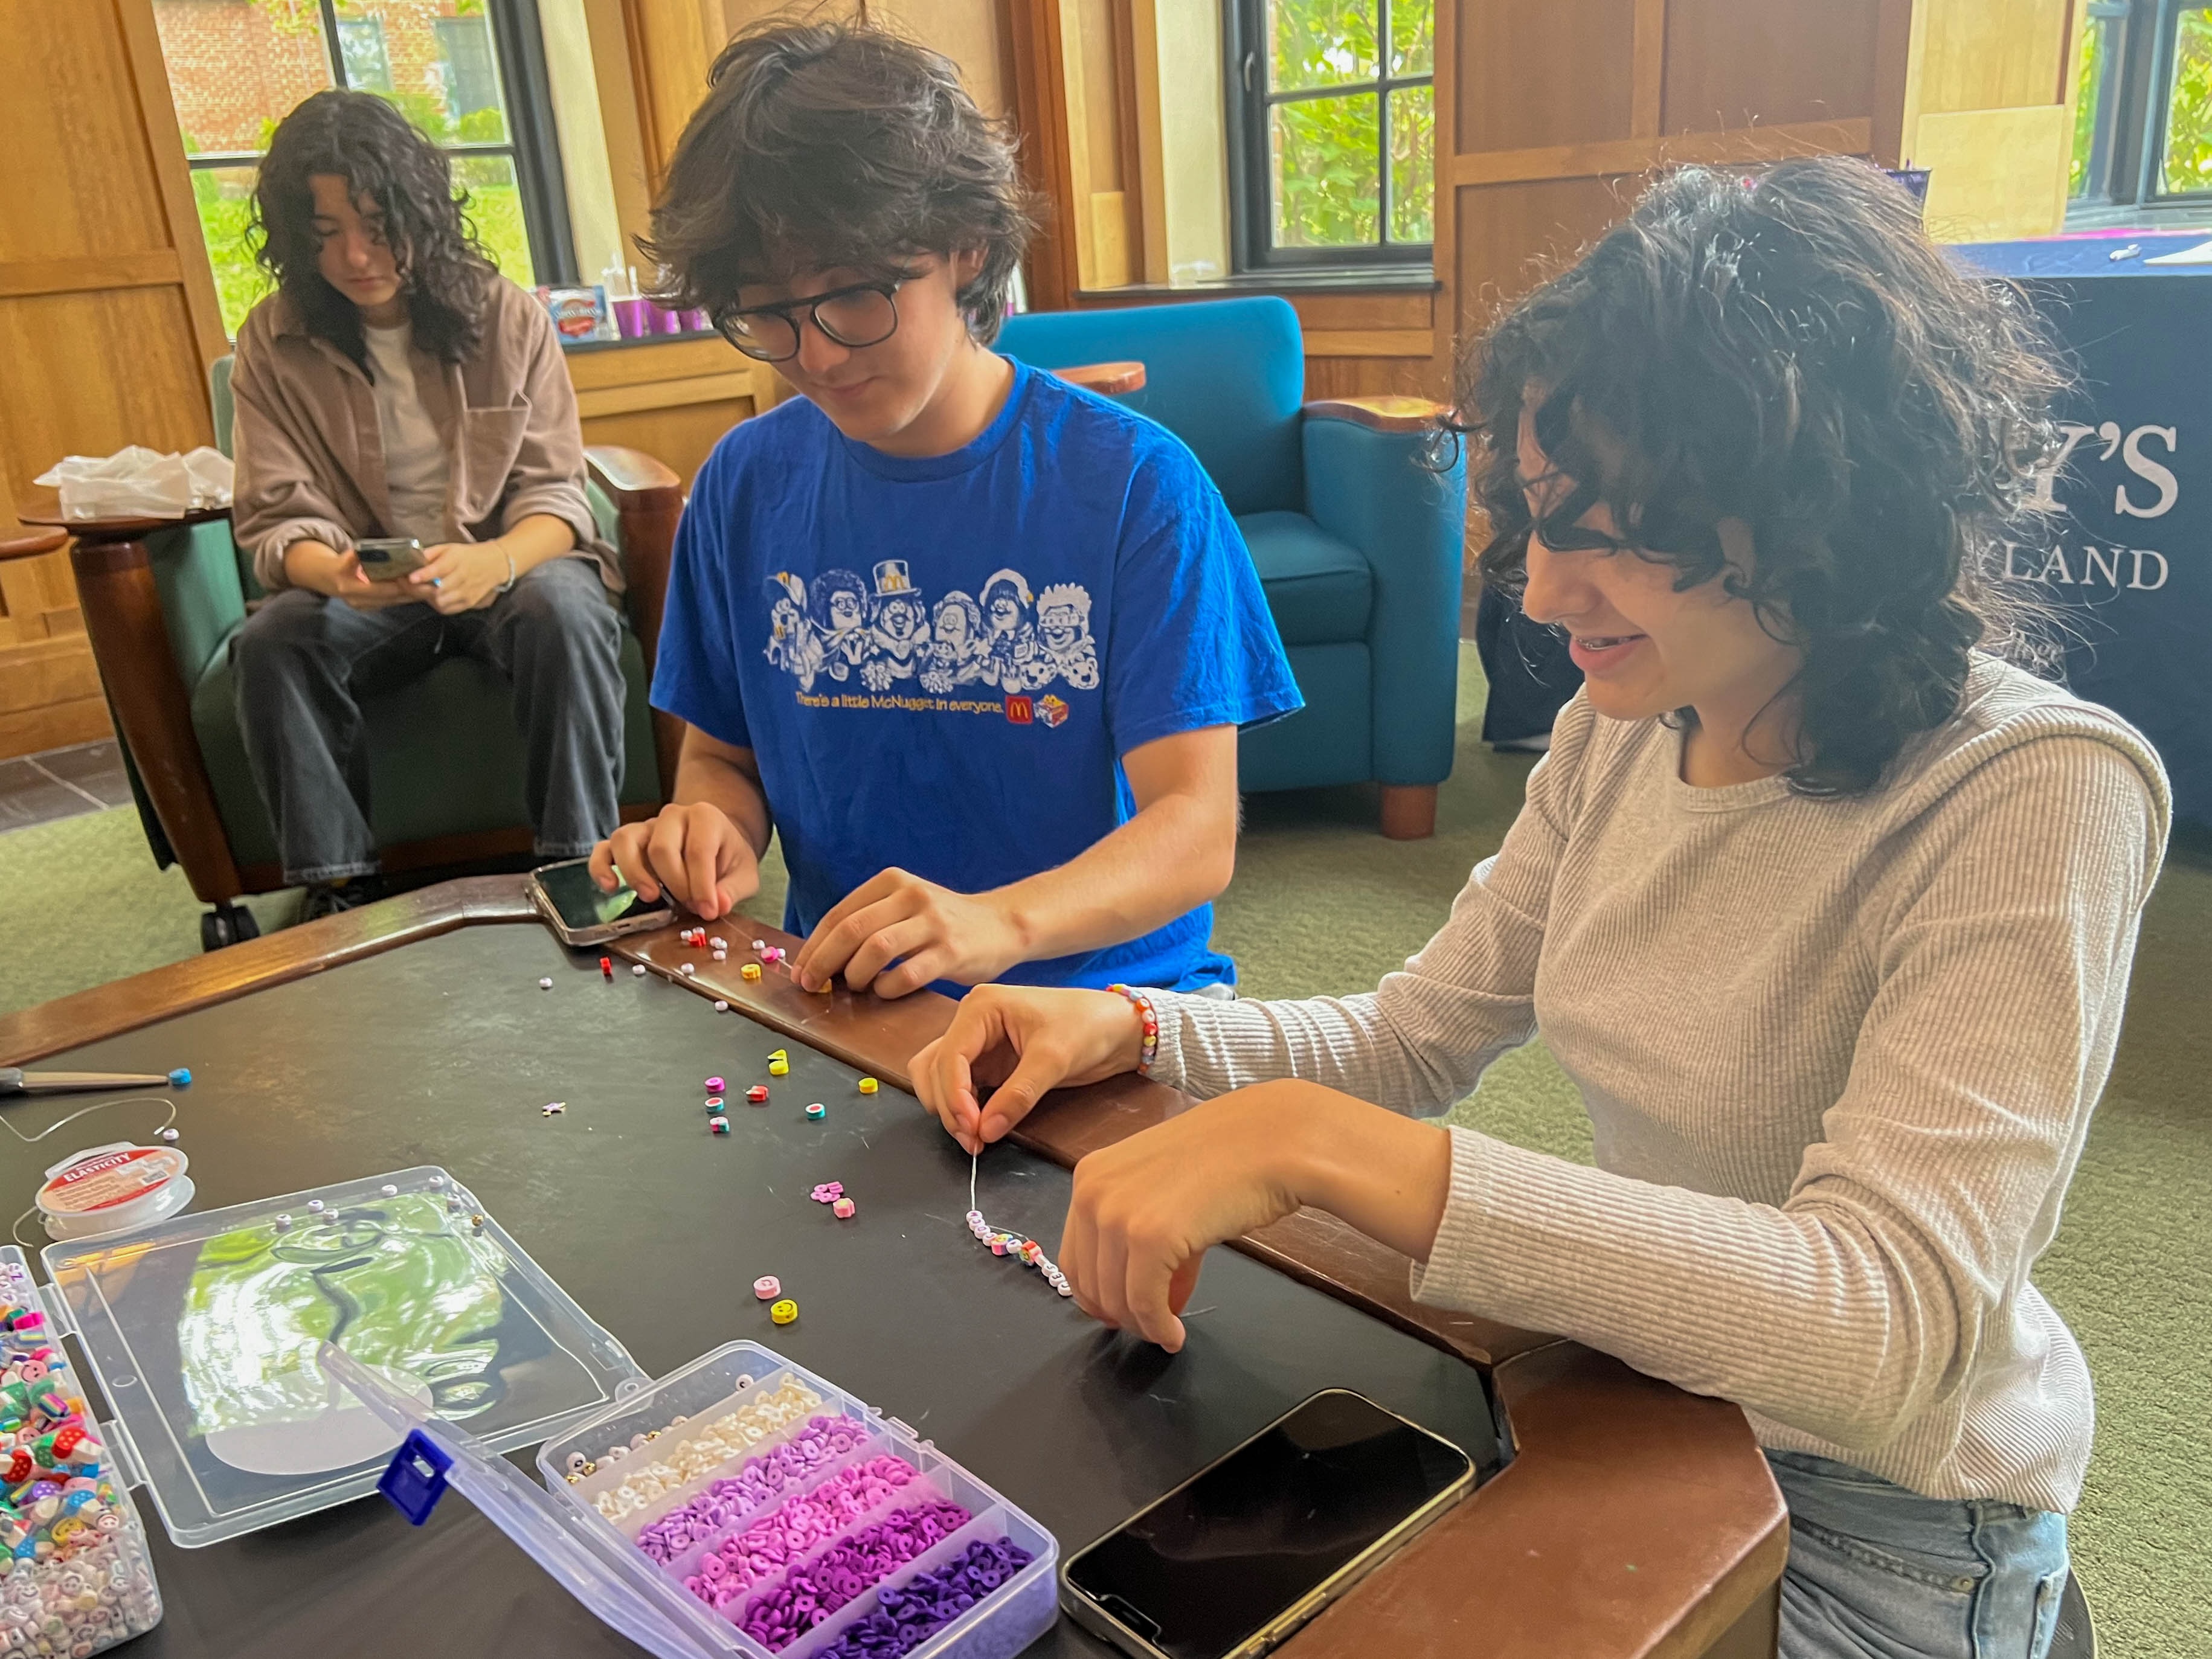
x=305 y=663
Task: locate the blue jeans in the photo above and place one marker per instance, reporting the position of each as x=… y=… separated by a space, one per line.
x=1879 y=1573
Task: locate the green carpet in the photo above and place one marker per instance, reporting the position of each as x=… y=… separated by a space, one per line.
x=1322 y=903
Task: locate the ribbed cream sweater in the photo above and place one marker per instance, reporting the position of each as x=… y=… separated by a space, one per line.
x=1839 y=1055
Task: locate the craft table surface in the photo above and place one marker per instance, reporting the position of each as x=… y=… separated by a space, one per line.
x=1636 y=1521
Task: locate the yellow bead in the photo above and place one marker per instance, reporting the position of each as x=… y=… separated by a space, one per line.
x=778 y=1068
x=750 y=971
x=779 y=1054
x=784 y=1311
x=869 y=1085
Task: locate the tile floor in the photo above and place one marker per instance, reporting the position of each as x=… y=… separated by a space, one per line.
x=61 y=783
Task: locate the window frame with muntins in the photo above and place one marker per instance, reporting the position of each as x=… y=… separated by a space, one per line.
x=1249 y=105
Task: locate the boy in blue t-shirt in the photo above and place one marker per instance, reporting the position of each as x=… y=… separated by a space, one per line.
x=977 y=643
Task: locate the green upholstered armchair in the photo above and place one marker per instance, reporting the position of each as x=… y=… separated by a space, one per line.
x=162 y=601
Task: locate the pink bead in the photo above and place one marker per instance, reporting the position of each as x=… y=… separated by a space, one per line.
x=843 y=1209
x=767 y=1287
x=714 y=1085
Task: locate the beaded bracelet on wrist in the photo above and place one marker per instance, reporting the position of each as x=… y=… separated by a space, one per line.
x=1149 y=1012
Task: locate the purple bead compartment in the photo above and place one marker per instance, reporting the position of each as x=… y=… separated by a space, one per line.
x=909 y=1614
x=813 y=1590
x=783 y=1539
x=759 y=1480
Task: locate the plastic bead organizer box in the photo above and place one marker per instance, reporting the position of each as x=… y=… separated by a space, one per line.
x=743 y=1506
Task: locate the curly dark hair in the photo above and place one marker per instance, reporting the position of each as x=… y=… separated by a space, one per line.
x=360 y=138
x=1786 y=347
x=837 y=143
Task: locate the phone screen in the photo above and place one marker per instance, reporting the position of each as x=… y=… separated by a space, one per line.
x=579 y=902
x=387 y=560
x=1212 y=1563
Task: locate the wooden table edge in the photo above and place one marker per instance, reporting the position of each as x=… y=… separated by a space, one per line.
x=877 y=1037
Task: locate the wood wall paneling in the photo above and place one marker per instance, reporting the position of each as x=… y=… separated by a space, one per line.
x=1994 y=173
x=1733 y=63
x=1994 y=54
x=1512 y=236
x=1560 y=73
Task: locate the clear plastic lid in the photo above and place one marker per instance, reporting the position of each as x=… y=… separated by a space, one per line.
x=204 y=1332
x=599 y=1569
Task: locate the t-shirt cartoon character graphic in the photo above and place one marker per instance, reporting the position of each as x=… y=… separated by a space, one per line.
x=841 y=613
x=792 y=644
x=898 y=631
x=1010 y=633
x=1064 y=631
x=957 y=654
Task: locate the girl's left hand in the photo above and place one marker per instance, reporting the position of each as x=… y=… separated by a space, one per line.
x=457 y=576
x=1146 y=1209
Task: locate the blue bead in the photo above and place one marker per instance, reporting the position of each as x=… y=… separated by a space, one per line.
x=181 y=1078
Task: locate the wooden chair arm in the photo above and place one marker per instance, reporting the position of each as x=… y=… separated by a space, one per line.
x=624 y=472
x=1380 y=414
x=1108 y=380
x=648 y=499
x=29 y=547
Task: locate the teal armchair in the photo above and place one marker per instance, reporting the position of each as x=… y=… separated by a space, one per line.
x=162 y=603
x=1356 y=543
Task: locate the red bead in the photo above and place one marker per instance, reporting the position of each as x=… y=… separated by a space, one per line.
x=607 y=966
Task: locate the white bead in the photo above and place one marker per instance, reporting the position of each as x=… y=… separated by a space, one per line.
x=639 y=971
x=545 y=984
x=687 y=969
x=721 y=1007
x=389 y=1190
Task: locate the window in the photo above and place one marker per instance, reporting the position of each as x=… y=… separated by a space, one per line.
x=470 y=73
x=1331 y=122
x=2142 y=124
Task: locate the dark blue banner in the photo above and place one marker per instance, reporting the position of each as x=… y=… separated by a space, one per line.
x=2128 y=555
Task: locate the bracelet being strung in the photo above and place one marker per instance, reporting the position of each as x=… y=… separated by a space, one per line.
x=1026 y=1250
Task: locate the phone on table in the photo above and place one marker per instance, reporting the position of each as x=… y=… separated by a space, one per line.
x=581 y=914
x=1232 y=1561
x=387 y=558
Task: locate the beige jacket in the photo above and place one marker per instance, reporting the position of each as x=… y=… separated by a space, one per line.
x=310 y=460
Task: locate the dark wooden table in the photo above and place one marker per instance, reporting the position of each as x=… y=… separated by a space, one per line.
x=1633 y=1519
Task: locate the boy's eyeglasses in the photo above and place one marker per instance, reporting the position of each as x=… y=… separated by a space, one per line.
x=865 y=314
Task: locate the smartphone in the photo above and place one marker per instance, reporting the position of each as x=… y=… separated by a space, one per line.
x=1236 y=1559
x=387 y=558
x=582 y=914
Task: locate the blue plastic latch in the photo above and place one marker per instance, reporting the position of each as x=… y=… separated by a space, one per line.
x=416 y=1479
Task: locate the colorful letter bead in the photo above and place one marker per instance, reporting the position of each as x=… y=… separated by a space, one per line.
x=749 y=971
x=757 y=1094
x=714 y=1103
x=778 y=1068
x=720 y=1125
x=818 y=1110
x=784 y=1311
x=869 y=1085
x=714 y=1085
x=843 y=1209
x=767 y=1287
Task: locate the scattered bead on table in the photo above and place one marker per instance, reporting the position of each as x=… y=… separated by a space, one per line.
x=844 y=1209
x=750 y=971
x=718 y=1126
x=767 y=1287
x=818 y=1110
x=545 y=984
x=757 y=1094
x=869 y=1085
x=784 y=1311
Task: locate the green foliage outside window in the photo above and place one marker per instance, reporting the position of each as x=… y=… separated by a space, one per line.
x=1328 y=191
x=2189 y=116
x=2084 y=103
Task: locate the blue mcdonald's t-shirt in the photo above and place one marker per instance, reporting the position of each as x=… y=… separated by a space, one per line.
x=940 y=662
